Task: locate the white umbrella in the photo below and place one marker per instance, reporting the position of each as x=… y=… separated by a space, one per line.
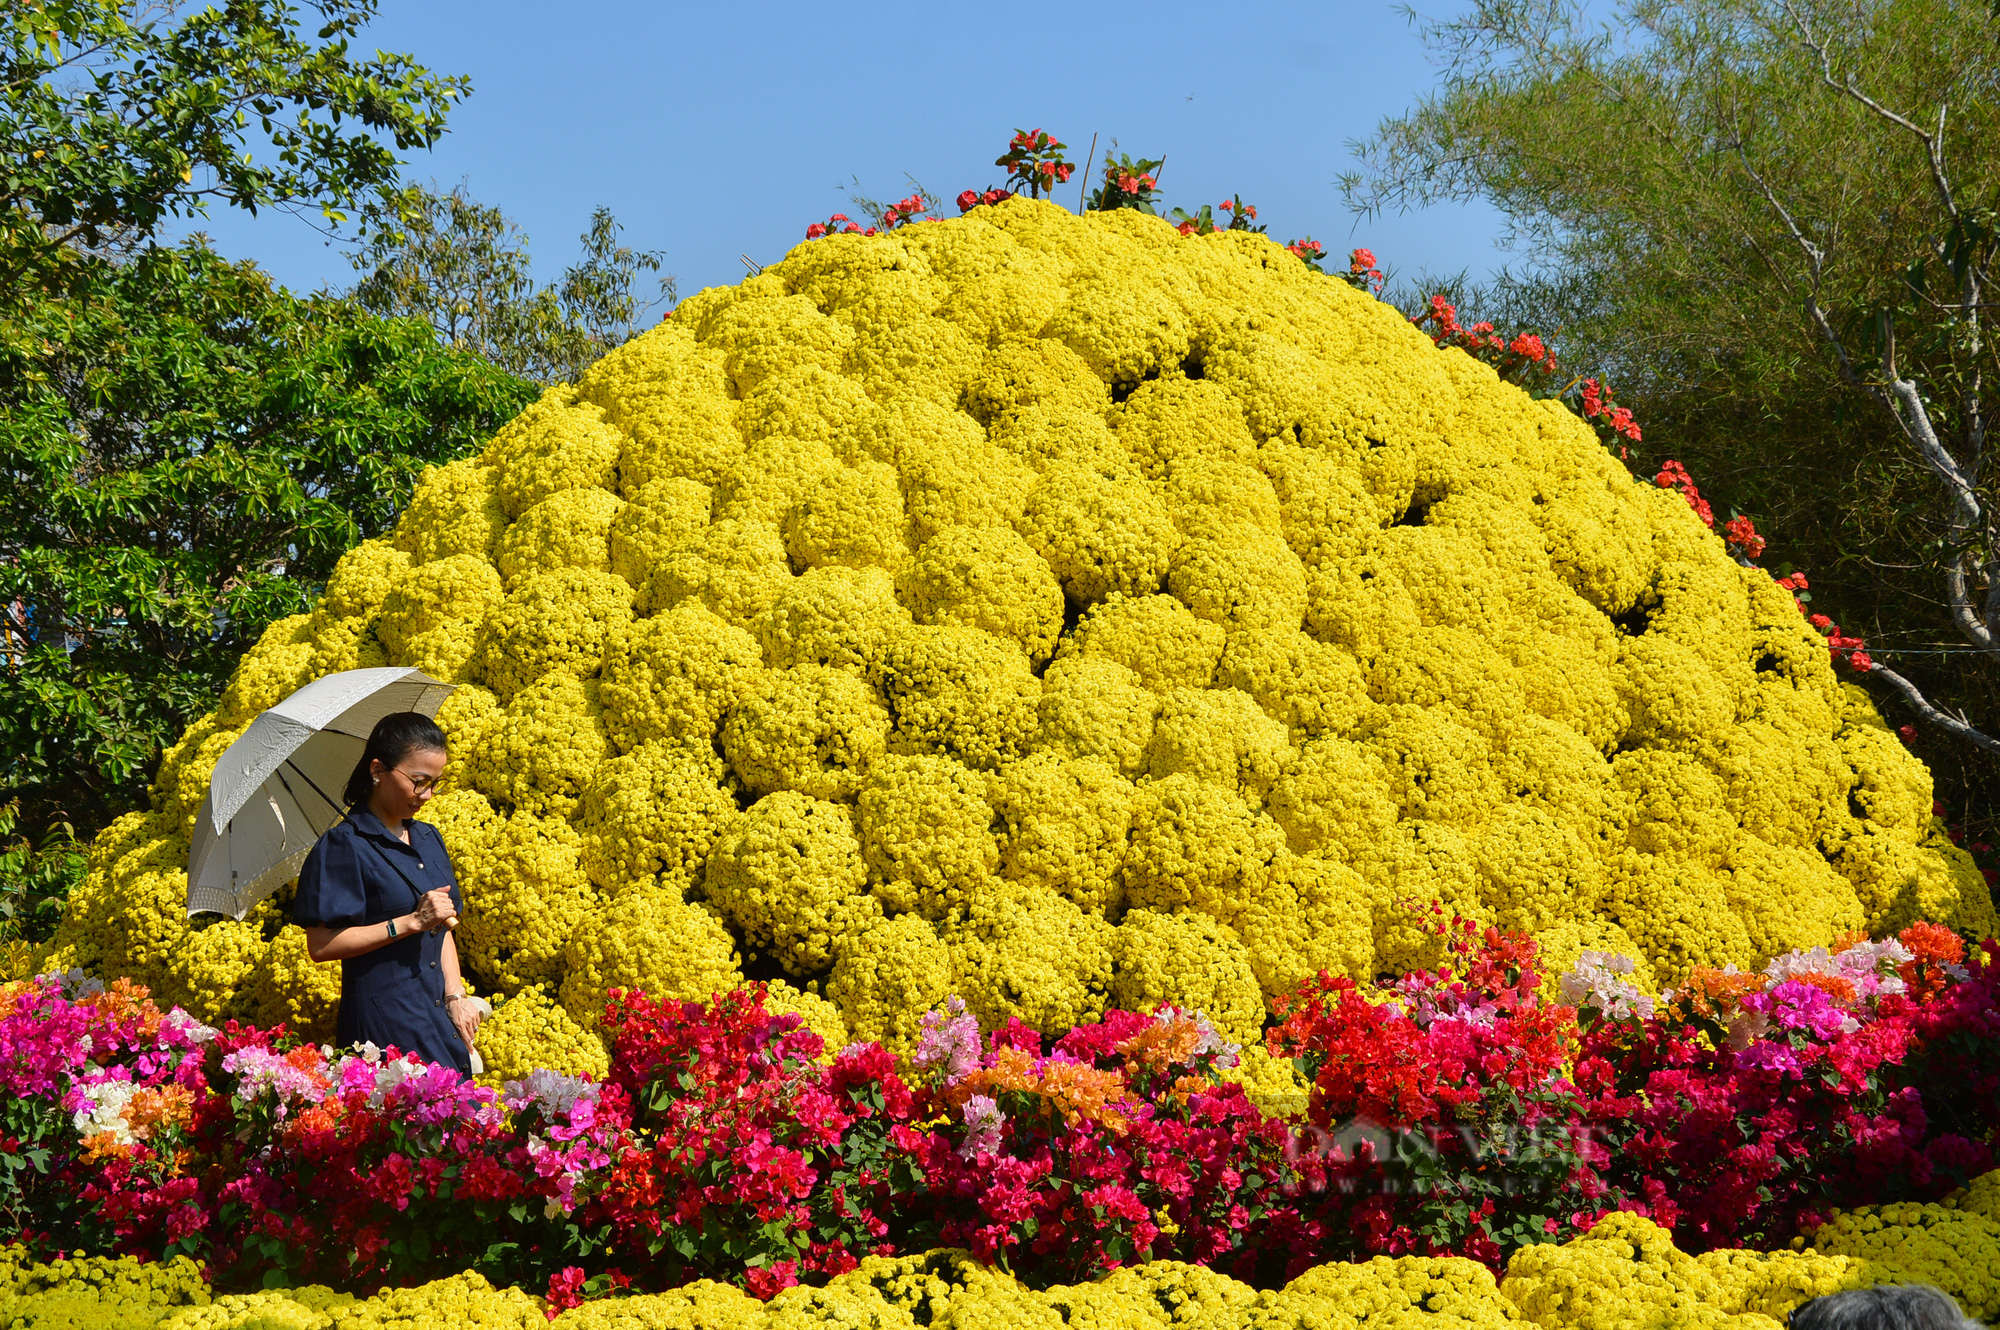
x=278 y=787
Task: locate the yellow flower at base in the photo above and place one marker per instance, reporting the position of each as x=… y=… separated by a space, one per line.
x=1625 y=1274
x=1954 y=1249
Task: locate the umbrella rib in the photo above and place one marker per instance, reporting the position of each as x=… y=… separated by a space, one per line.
x=280 y=774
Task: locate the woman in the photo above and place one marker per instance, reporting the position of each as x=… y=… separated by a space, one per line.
x=377 y=894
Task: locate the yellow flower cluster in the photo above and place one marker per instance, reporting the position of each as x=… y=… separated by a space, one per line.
x=1625 y=1274
x=289 y=1309
x=1062 y=610
x=461 y=1300
x=1190 y=959
x=885 y=982
x=1274 y=1085
x=96 y=1290
x=530 y=1031
x=1955 y=1246
x=1023 y=952
x=648 y=938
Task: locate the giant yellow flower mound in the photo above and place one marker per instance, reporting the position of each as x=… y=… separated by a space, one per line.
x=1062 y=611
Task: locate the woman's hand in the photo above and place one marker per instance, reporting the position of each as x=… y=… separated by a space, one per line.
x=435 y=911
x=464 y=1017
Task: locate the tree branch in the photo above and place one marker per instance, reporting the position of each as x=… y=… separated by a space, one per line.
x=1921 y=705
x=1933 y=141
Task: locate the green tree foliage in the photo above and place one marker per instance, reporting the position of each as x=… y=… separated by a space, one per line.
x=1728 y=207
x=464 y=268
x=183 y=457
x=116 y=116
x=35 y=879
x=185 y=450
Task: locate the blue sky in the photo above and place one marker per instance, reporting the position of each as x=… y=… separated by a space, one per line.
x=718 y=130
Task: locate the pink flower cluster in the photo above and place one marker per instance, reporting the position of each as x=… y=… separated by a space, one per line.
x=253 y=1150
x=1751 y=1105
x=1444 y=1119
x=756 y=1153
x=1119 y=1142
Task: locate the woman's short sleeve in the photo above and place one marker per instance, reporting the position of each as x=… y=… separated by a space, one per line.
x=331 y=894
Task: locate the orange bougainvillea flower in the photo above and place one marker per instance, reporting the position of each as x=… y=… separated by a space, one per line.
x=1076 y=1090
x=1082 y=1093
x=122 y=1000
x=1932 y=947
x=103 y=1146
x=1838 y=987
x=1711 y=992
x=166 y=1105
x=1162 y=1043
x=1933 y=944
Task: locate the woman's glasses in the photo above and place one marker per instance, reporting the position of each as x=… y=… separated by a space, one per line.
x=418 y=784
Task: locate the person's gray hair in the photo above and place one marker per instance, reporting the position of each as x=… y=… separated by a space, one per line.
x=1883 y=1307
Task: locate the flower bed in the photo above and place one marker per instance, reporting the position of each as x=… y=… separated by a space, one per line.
x=1537 y=1126
x=1070 y=765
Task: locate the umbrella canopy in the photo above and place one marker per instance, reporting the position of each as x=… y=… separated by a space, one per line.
x=278 y=787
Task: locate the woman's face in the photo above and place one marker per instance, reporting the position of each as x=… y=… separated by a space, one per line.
x=404 y=788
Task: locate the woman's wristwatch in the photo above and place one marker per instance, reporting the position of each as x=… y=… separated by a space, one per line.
x=392 y=929
x=454 y=997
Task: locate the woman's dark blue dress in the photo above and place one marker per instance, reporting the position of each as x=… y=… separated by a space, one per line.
x=359 y=873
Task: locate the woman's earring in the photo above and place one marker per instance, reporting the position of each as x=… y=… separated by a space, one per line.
x=377 y=779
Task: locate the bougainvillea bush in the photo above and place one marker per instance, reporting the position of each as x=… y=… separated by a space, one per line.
x=1472 y=1111
x=1072 y=615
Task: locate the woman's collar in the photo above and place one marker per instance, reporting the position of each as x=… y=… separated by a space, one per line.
x=364 y=820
